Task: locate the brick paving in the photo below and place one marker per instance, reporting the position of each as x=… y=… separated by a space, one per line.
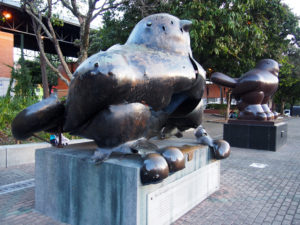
x=16 y=174
x=248 y=195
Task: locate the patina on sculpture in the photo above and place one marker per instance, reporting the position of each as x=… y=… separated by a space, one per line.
x=253 y=90
x=150 y=86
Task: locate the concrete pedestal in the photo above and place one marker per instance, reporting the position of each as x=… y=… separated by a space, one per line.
x=71 y=189
x=265 y=135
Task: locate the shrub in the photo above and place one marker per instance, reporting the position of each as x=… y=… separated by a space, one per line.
x=10 y=107
x=216 y=106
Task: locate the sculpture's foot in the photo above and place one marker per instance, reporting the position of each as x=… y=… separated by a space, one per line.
x=253 y=112
x=100 y=155
x=252 y=116
x=202 y=136
x=221 y=149
x=276 y=114
x=157 y=166
x=142 y=146
x=270 y=115
x=174 y=158
x=168 y=132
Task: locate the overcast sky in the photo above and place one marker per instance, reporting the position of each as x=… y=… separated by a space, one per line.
x=294 y=5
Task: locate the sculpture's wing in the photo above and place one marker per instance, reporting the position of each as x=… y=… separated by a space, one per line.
x=47 y=114
x=248 y=82
x=222 y=79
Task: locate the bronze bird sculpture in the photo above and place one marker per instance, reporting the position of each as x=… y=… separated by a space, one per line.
x=253 y=89
x=150 y=86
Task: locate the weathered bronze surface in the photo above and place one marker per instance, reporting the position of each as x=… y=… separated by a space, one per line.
x=155 y=168
x=220 y=148
x=189 y=151
x=46 y=115
x=150 y=86
x=174 y=158
x=253 y=89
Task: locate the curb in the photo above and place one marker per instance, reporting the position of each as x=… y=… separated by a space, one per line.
x=13 y=155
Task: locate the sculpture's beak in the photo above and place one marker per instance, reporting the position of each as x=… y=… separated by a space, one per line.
x=185 y=25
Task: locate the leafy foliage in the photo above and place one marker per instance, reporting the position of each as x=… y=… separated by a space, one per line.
x=216 y=106
x=9 y=108
x=227 y=36
x=289 y=79
x=34 y=70
x=24 y=86
x=56 y=21
x=232 y=36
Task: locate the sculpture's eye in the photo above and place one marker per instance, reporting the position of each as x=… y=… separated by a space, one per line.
x=181 y=30
x=163 y=27
x=149 y=24
x=172 y=22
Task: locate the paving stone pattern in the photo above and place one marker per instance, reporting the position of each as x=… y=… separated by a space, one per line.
x=248 y=195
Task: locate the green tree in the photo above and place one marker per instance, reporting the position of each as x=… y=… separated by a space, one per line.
x=227 y=36
x=45 y=18
x=24 y=86
x=286 y=83
x=35 y=72
x=232 y=36
x=294 y=58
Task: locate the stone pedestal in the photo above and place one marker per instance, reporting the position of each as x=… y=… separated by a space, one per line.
x=71 y=189
x=265 y=135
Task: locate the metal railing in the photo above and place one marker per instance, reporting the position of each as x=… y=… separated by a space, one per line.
x=64 y=16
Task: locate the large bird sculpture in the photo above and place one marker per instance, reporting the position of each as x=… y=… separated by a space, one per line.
x=253 y=89
x=150 y=86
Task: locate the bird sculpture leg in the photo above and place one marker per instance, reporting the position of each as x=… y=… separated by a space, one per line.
x=157 y=163
x=253 y=112
x=101 y=154
x=126 y=124
x=269 y=113
x=220 y=148
x=169 y=131
x=250 y=106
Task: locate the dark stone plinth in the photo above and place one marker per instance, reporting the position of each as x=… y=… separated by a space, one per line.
x=265 y=135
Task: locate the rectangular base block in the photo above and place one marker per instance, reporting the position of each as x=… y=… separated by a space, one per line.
x=169 y=203
x=72 y=189
x=265 y=136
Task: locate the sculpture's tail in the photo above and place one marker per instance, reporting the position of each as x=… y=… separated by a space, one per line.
x=223 y=80
x=46 y=115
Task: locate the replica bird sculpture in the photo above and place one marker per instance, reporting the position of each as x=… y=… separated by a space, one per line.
x=150 y=86
x=253 y=89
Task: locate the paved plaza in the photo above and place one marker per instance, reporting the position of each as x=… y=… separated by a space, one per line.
x=257 y=187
